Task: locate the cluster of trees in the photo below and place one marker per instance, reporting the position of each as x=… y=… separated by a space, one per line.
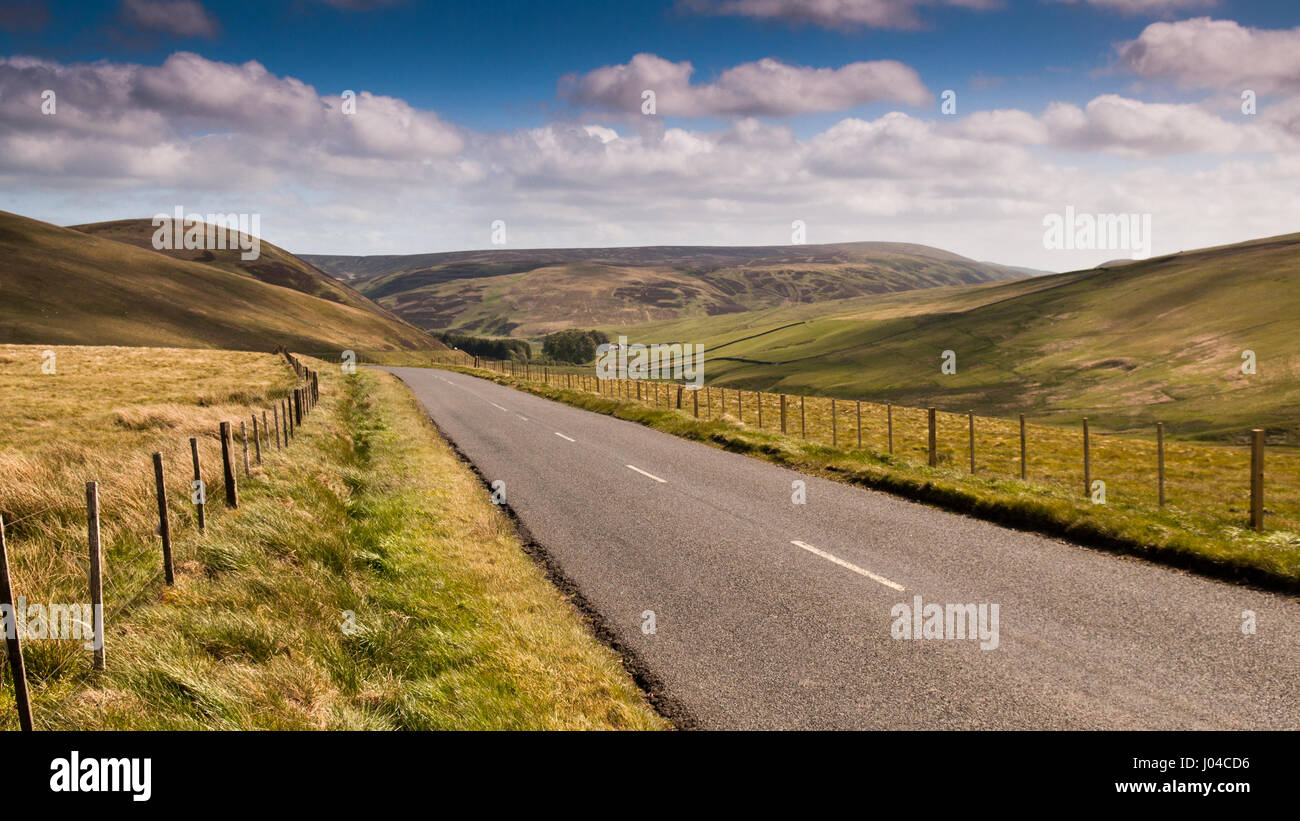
x=572 y=346
x=489 y=347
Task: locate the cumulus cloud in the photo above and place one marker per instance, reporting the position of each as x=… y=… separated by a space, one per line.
x=189 y=97
x=132 y=140
x=1114 y=123
x=767 y=87
x=1124 y=126
x=1206 y=53
x=885 y=14
x=182 y=18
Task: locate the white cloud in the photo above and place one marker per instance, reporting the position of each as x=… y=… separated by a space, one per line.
x=1004 y=125
x=133 y=140
x=1206 y=53
x=886 y=14
x=766 y=87
x=1127 y=126
x=144 y=107
x=183 y=18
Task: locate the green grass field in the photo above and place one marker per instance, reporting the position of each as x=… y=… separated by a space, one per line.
x=1127 y=346
x=367 y=511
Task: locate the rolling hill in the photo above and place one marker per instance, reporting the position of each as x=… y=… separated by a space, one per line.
x=533 y=292
x=1125 y=345
x=97 y=287
x=274 y=265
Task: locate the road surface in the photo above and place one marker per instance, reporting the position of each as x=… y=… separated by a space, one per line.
x=771 y=614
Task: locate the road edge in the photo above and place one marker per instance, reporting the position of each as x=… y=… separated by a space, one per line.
x=657 y=693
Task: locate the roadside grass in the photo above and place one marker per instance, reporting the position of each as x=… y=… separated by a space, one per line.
x=1204 y=525
x=368 y=512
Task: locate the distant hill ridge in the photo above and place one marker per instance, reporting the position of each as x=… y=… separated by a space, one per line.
x=527 y=292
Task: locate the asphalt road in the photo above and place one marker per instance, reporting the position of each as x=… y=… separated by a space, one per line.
x=771 y=614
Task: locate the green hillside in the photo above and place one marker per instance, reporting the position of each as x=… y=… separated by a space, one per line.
x=533 y=292
x=66 y=287
x=1125 y=345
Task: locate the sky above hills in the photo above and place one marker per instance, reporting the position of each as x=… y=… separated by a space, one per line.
x=766 y=112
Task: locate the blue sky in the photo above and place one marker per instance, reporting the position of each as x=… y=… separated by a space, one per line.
x=474 y=125
x=495 y=66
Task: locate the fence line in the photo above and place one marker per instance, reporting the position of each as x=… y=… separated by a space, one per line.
x=824 y=420
x=307 y=394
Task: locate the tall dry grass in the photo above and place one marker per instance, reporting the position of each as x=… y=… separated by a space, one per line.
x=99 y=417
x=367 y=512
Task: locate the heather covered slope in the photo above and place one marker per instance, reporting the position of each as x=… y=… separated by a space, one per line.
x=537 y=291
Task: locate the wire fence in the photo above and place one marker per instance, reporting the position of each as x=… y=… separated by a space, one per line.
x=1220 y=482
x=124 y=568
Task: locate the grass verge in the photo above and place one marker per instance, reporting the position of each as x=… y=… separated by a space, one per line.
x=365 y=582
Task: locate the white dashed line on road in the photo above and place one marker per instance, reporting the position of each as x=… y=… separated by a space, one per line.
x=565 y=438
x=849 y=566
x=643 y=473
x=495 y=405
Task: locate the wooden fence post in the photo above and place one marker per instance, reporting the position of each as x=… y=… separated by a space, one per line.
x=1257 y=478
x=803 y=430
x=275 y=410
x=740 y=408
x=1160 y=461
x=289 y=421
x=835 y=433
x=1024 y=466
x=243 y=437
x=198 y=478
x=228 y=468
x=257 y=441
x=782 y=413
x=889 y=422
x=708 y=398
x=13 y=641
x=680 y=388
x=266 y=432
x=1087 y=461
x=758 y=400
x=96 y=571
x=164 y=521
x=859 y=425
x=972 y=442
x=695 y=398
x=934 y=454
